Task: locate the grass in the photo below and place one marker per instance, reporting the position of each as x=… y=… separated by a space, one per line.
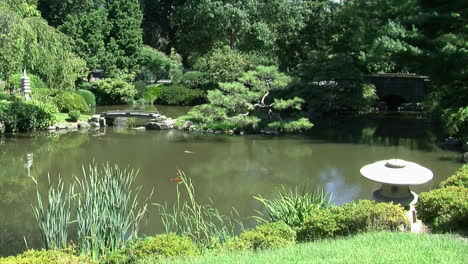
x=63 y=117
x=383 y=247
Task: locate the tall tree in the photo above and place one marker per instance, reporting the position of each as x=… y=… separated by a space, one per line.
x=125 y=37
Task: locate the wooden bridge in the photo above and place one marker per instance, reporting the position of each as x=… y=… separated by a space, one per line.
x=129 y=113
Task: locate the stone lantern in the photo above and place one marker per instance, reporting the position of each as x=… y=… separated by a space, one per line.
x=26 y=86
x=396 y=176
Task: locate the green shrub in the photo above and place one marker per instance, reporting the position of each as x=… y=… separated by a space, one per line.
x=140 y=87
x=220 y=125
x=157 y=247
x=179 y=95
x=353 y=218
x=444 y=209
x=28 y=115
x=152 y=92
x=265 y=236
x=166 y=245
x=44 y=94
x=4 y=96
x=74 y=115
x=67 y=101
x=196 y=80
x=88 y=96
x=14 y=82
x=455 y=121
x=460 y=178
x=293 y=207
x=46 y=257
x=113 y=91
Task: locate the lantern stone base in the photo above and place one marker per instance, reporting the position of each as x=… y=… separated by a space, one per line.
x=398 y=194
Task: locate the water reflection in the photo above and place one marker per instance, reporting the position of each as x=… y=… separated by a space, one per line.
x=227 y=169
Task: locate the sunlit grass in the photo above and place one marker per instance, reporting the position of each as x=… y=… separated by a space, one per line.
x=383 y=247
x=64 y=118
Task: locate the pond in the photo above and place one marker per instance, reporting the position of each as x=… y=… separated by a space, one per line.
x=227 y=169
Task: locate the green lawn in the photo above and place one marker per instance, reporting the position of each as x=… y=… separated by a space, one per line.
x=373 y=248
x=63 y=117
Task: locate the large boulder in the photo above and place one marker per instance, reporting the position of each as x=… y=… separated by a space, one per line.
x=187 y=125
x=156 y=126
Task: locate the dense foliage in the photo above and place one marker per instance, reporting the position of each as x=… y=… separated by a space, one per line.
x=27 y=41
x=19 y=115
x=179 y=95
x=113 y=91
x=47 y=257
x=67 y=101
x=353 y=218
x=88 y=96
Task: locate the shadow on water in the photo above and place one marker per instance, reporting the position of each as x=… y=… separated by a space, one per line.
x=384 y=129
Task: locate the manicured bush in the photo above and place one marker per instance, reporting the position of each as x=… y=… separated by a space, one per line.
x=444 y=209
x=152 y=92
x=157 y=247
x=74 y=115
x=265 y=236
x=46 y=257
x=67 y=101
x=353 y=218
x=460 y=178
x=22 y=115
x=88 y=96
x=179 y=95
x=197 y=80
x=113 y=91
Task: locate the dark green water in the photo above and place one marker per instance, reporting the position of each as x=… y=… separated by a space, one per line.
x=227 y=169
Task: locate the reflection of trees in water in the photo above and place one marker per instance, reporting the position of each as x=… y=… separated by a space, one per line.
x=335 y=183
x=398 y=130
x=22 y=156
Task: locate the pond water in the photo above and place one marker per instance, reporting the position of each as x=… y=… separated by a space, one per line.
x=227 y=169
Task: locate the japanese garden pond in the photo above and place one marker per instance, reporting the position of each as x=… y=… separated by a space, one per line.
x=227 y=169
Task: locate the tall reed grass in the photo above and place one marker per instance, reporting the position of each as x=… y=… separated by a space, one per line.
x=107 y=210
x=108 y=213
x=293 y=206
x=54 y=217
x=203 y=223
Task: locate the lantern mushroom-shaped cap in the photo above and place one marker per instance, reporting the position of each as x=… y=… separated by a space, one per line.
x=397 y=172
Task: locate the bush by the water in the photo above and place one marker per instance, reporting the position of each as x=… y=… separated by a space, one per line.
x=74 y=115
x=265 y=236
x=46 y=257
x=444 y=209
x=353 y=218
x=152 y=92
x=157 y=247
x=20 y=115
x=113 y=91
x=179 y=95
x=67 y=101
x=460 y=178
x=88 y=96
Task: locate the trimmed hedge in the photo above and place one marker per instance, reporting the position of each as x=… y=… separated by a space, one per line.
x=265 y=236
x=88 y=96
x=353 y=218
x=179 y=95
x=460 y=178
x=70 y=101
x=444 y=209
x=157 y=247
x=46 y=257
x=74 y=115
